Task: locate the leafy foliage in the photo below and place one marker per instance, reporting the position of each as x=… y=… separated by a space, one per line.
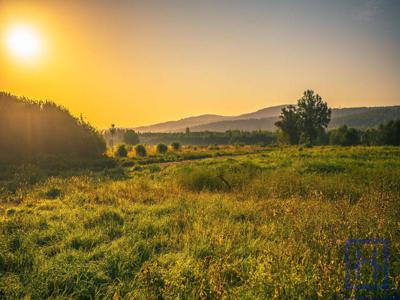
x=140 y=150
x=306 y=122
x=131 y=137
x=30 y=130
x=290 y=124
x=314 y=115
x=345 y=136
x=162 y=148
x=176 y=146
x=121 y=151
x=389 y=133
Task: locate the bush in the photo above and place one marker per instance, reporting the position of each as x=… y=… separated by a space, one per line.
x=162 y=148
x=176 y=146
x=121 y=151
x=140 y=150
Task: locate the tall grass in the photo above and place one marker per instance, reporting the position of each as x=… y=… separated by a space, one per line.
x=276 y=230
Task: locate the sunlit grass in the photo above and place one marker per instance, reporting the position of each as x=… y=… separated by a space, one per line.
x=263 y=225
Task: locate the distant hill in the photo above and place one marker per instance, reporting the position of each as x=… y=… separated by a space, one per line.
x=242 y=124
x=364 y=117
x=358 y=117
x=181 y=125
x=198 y=121
x=262 y=113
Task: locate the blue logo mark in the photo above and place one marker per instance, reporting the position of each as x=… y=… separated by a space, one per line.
x=366 y=264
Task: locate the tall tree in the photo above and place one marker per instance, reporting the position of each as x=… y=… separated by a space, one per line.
x=314 y=115
x=389 y=133
x=112 y=132
x=290 y=124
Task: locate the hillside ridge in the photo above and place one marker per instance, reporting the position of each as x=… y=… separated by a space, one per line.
x=264 y=119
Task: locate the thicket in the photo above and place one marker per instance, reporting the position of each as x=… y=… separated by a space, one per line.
x=31 y=130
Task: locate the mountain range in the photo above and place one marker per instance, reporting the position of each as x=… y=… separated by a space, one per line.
x=357 y=117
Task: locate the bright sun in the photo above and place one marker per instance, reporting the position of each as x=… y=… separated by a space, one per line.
x=23 y=42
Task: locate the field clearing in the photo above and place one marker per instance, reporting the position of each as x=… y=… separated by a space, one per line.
x=270 y=223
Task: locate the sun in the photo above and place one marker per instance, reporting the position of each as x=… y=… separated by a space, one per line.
x=24 y=42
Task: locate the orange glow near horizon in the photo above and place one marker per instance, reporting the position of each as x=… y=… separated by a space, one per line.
x=135 y=64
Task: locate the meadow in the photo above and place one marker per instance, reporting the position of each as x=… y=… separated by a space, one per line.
x=203 y=223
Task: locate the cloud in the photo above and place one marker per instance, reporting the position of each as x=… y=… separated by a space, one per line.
x=369 y=10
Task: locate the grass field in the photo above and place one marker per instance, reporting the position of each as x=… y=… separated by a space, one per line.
x=267 y=223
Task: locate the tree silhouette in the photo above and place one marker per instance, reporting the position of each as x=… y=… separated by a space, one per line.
x=344 y=136
x=307 y=121
x=121 y=151
x=290 y=124
x=314 y=115
x=176 y=146
x=112 y=132
x=162 y=148
x=140 y=150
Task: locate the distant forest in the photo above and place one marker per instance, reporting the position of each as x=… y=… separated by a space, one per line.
x=385 y=134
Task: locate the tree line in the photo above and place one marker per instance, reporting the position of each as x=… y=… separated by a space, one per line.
x=204 y=138
x=304 y=123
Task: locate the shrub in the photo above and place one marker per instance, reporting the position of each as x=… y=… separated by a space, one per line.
x=162 y=148
x=176 y=146
x=121 y=151
x=140 y=150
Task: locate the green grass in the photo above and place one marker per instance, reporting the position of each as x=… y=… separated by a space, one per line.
x=267 y=225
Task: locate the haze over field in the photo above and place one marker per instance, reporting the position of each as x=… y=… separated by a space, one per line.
x=144 y=62
x=264 y=119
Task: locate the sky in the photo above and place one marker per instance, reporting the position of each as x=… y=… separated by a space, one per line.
x=141 y=62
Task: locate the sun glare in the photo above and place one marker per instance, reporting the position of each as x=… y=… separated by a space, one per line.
x=23 y=42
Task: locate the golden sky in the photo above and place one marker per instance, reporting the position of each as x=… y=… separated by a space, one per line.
x=140 y=62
